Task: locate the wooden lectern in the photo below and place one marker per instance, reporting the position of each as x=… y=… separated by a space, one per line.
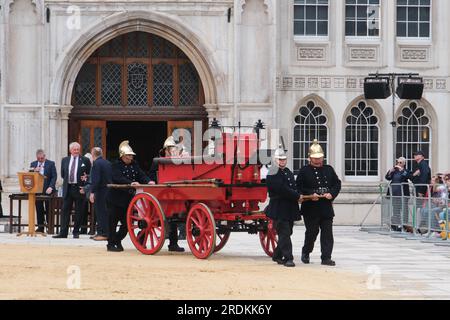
x=31 y=183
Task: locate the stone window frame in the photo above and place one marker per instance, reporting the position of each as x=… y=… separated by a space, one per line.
x=362 y=3
x=429 y=21
x=408 y=147
x=301 y=146
x=362 y=143
x=317 y=4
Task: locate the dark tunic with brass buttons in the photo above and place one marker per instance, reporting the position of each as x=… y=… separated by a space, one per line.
x=125 y=174
x=119 y=199
x=283 y=195
x=318 y=215
x=321 y=180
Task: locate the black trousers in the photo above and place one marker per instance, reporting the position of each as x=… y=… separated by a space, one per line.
x=284 y=247
x=116 y=214
x=84 y=215
x=73 y=196
x=1 y=209
x=173 y=233
x=101 y=212
x=313 y=223
x=42 y=212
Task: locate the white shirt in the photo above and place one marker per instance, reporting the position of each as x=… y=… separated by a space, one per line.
x=41 y=167
x=76 y=168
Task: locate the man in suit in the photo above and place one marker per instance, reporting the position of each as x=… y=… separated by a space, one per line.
x=47 y=168
x=322 y=185
x=74 y=171
x=101 y=176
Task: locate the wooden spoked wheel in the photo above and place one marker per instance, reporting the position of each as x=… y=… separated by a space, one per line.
x=201 y=231
x=146 y=223
x=221 y=240
x=269 y=239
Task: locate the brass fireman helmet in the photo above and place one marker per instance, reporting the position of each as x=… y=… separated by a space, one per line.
x=125 y=149
x=316 y=151
x=280 y=154
x=170 y=142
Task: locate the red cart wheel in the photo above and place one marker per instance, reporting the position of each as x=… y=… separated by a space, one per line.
x=221 y=240
x=269 y=239
x=201 y=231
x=146 y=223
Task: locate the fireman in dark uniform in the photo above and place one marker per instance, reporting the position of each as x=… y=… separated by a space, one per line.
x=321 y=183
x=283 y=207
x=124 y=171
x=169 y=150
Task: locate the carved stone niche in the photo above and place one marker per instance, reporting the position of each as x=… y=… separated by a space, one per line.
x=419 y=56
x=363 y=55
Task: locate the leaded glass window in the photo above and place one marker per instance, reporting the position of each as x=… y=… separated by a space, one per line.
x=85 y=85
x=362 y=18
x=310 y=123
x=111 y=84
x=162 y=48
x=311 y=17
x=361 y=142
x=188 y=85
x=137 y=44
x=137 y=84
x=138 y=69
x=414 y=18
x=98 y=137
x=162 y=84
x=413 y=133
x=86 y=139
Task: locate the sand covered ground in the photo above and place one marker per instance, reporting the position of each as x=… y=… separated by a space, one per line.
x=43 y=271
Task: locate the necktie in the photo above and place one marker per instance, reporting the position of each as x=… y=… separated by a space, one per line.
x=72 y=171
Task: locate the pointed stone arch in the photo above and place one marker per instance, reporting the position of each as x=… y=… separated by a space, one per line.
x=163 y=25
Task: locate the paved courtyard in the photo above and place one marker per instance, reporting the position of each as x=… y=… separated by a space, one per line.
x=398 y=267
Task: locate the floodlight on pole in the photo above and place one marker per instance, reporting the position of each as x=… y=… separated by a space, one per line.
x=382 y=85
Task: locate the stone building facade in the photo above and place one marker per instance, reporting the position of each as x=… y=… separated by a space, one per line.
x=299 y=66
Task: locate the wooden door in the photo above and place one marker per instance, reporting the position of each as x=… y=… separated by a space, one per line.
x=182 y=130
x=92 y=134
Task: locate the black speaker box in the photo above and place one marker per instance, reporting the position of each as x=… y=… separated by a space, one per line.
x=410 y=89
x=377 y=88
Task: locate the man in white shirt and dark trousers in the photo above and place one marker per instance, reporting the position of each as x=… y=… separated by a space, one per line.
x=74 y=171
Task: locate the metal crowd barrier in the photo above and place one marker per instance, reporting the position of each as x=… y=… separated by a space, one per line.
x=414 y=216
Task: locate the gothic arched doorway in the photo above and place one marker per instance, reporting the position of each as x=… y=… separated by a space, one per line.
x=138 y=87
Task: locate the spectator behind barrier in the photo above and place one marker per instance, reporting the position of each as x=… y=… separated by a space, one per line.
x=399 y=175
x=432 y=208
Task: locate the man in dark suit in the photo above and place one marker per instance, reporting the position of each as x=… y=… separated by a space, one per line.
x=101 y=176
x=47 y=168
x=322 y=185
x=74 y=171
x=283 y=206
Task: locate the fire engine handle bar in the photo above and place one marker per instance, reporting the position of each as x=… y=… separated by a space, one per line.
x=163 y=185
x=310 y=198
